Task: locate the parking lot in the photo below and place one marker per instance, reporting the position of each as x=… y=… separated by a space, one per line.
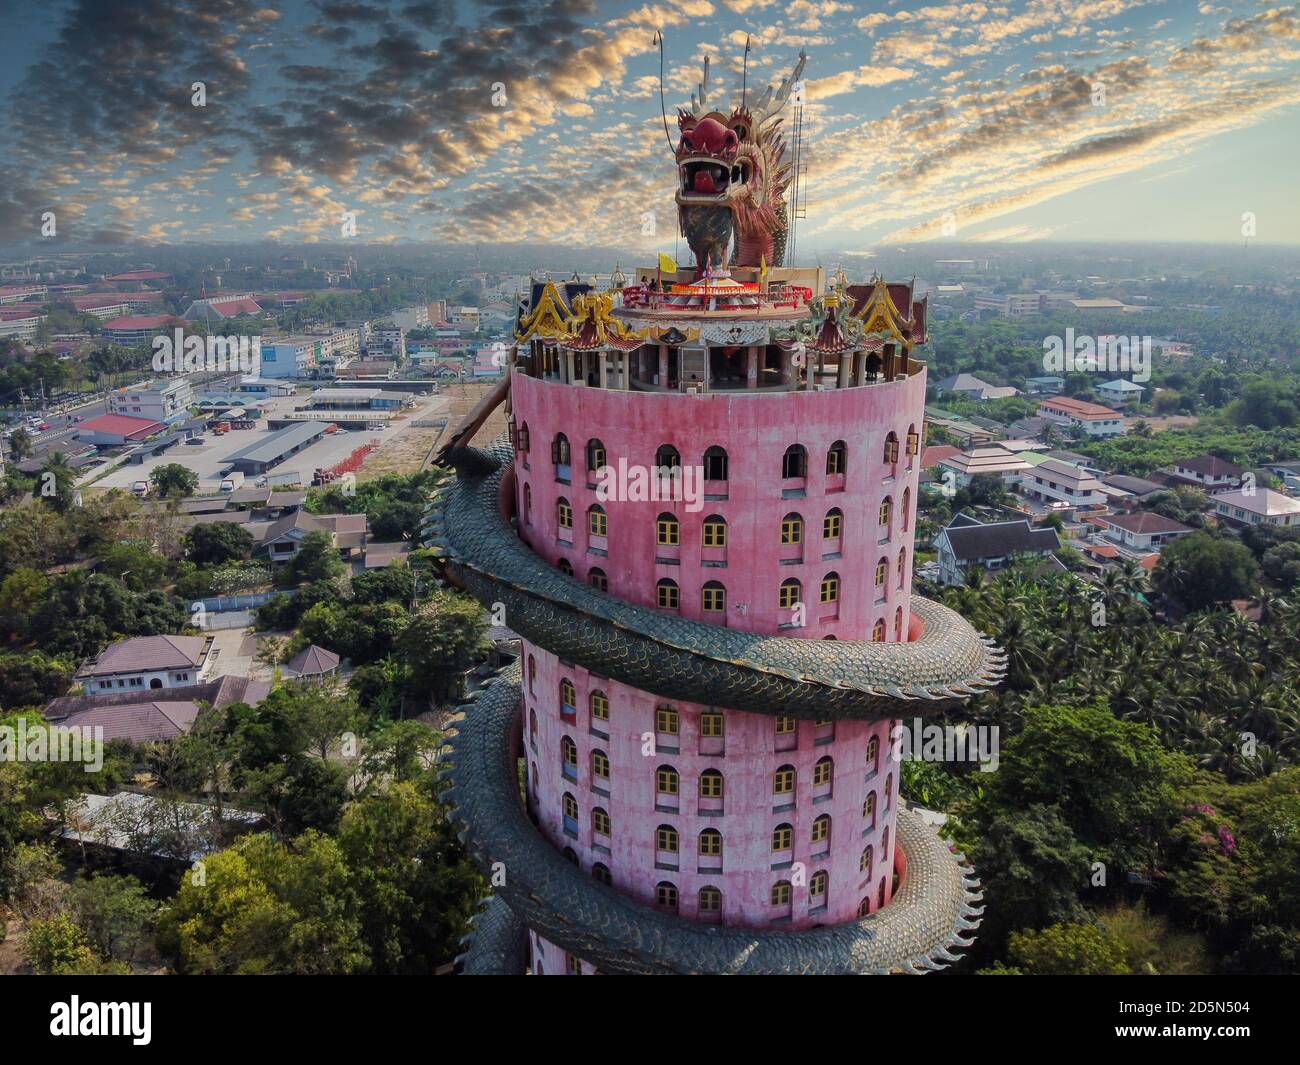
x=212 y=455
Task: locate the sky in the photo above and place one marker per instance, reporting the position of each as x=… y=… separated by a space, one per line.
x=539 y=120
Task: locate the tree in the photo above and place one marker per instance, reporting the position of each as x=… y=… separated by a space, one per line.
x=219 y=542
x=54 y=945
x=317 y=559
x=1202 y=571
x=136 y=565
x=32 y=679
x=56 y=482
x=174 y=481
x=443 y=640
x=417 y=886
x=20 y=445
x=1068 y=950
x=267 y=907
x=21 y=593
x=114 y=913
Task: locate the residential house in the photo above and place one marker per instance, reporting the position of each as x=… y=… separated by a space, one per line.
x=1092 y=418
x=991 y=546
x=1054 y=481
x=147 y=663
x=1143 y=530
x=1207 y=471
x=1263 y=506
x=1121 y=393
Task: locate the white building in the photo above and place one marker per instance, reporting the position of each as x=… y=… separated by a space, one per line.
x=1121 y=393
x=290 y=356
x=147 y=663
x=1092 y=418
x=1143 y=530
x=162 y=400
x=1054 y=481
x=409 y=318
x=1263 y=506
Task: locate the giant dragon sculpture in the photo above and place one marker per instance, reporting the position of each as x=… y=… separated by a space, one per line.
x=732 y=177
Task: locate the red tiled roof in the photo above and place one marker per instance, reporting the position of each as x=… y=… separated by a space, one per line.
x=139 y=722
x=122 y=424
x=932 y=456
x=147 y=321
x=1078 y=408
x=146 y=652
x=139 y=275
x=1146 y=521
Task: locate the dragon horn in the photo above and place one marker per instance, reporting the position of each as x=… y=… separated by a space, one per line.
x=768 y=105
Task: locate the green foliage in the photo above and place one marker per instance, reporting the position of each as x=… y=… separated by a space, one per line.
x=33 y=679
x=394 y=504
x=267 y=907
x=174 y=481
x=21 y=594
x=1202 y=571
x=114 y=913
x=444 y=639
x=1068 y=950
x=317 y=560
x=218 y=542
x=135 y=565
x=55 y=945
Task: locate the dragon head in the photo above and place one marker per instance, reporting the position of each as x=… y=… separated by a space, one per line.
x=737 y=162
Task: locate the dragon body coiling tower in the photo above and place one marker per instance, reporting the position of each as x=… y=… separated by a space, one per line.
x=701 y=527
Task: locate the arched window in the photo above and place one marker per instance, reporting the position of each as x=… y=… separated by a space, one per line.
x=795 y=462
x=574 y=965
x=833 y=524
x=600 y=765
x=668 y=457
x=782 y=837
x=600 y=823
x=666 y=839
x=823 y=772
x=666 y=896
x=595 y=455
x=873 y=755
x=913 y=442
x=898 y=624
x=884 y=845
x=886 y=510
x=869 y=810
x=532 y=727
x=891 y=447
x=710 y=902
x=570 y=855
x=528 y=504
x=904 y=518
x=565 y=567
x=667 y=596
x=601 y=874
x=522 y=439
x=889 y=792
x=564 y=513
x=532 y=674
x=599 y=703
x=782 y=891
x=597 y=522
x=714 y=598
x=597 y=579
x=710 y=843
x=570 y=752
x=878 y=631
x=864 y=908
x=792 y=529
x=882 y=572
x=570 y=807
x=711 y=784
x=666 y=780
x=667 y=531
x=561 y=456
x=783 y=781
x=835 y=458
x=715 y=464
x=817 y=886
x=568 y=697
x=667 y=721
x=715 y=531
x=902 y=568
x=790 y=594
x=830 y=589
x=867 y=862
x=821 y=829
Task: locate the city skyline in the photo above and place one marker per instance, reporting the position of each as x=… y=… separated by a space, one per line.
x=429 y=121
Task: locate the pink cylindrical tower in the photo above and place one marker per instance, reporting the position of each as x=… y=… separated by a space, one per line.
x=793 y=514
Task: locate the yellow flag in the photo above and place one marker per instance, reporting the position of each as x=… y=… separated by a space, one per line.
x=762 y=267
x=666 y=264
